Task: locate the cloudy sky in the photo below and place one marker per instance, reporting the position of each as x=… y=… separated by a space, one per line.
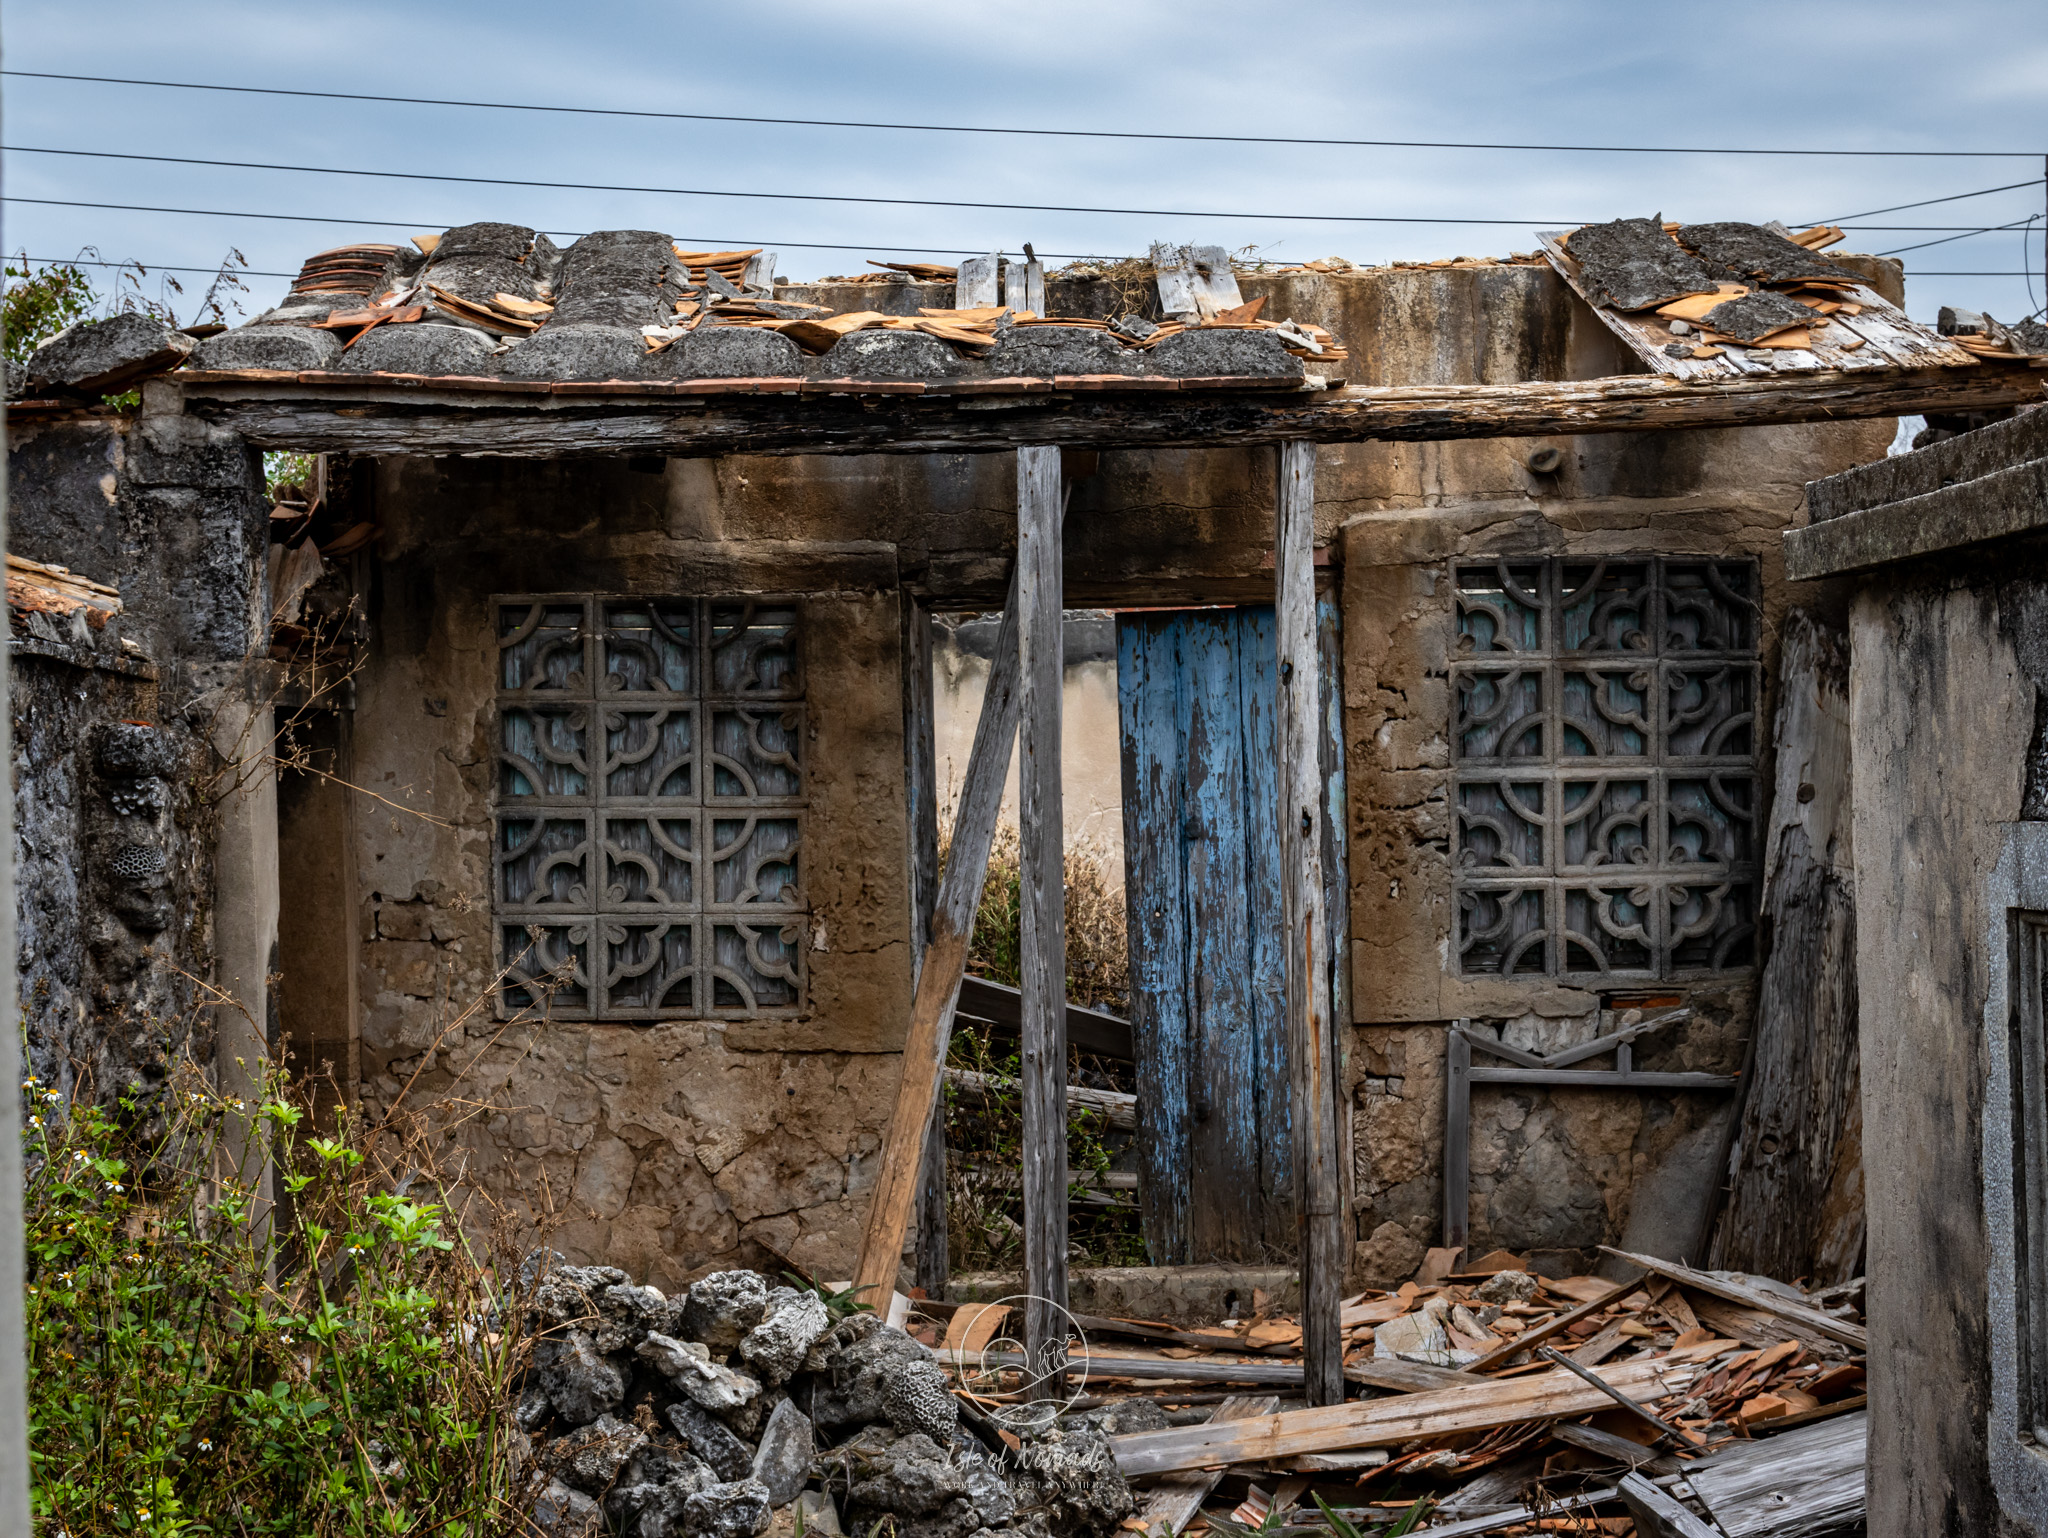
x=1968 y=75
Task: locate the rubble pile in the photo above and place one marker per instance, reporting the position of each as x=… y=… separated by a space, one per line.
x=743 y=1406
x=1480 y=1392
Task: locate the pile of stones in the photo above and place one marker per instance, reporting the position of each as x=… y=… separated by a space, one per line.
x=742 y=1407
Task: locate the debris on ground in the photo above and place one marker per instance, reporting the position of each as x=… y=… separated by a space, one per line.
x=1486 y=1398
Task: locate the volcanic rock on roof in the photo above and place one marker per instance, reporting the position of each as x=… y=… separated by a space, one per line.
x=1753 y=317
x=1631 y=264
x=1749 y=251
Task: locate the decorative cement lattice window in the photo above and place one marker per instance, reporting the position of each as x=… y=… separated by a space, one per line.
x=1605 y=767
x=647 y=856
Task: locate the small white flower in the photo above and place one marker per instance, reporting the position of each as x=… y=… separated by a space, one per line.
x=81 y=1157
x=205 y=1446
x=116 y=1186
x=35 y=1121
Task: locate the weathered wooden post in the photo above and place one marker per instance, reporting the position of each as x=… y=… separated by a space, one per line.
x=1311 y=1033
x=939 y=971
x=1042 y=900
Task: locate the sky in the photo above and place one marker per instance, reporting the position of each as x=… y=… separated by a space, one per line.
x=1969 y=75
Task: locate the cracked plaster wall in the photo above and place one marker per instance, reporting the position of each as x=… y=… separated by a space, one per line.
x=700 y=1142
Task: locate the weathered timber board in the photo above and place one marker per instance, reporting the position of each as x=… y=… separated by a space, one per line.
x=1888 y=339
x=1389 y=1422
x=1798 y=1485
x=1173 y=1502
x=1795 y=1203
x=380 y=420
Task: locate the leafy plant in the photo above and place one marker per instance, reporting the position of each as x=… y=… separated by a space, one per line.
x=322 y=1355
x=838 y=1305
x=39 y=303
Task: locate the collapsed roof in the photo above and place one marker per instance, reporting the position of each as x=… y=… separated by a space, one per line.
x=503 y=301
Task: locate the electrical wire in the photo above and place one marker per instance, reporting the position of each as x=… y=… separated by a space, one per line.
x=823 y=197
x=149 y=267
x=1957 y=197
x=709 y=241
x=1047 y=133
x=1989 y=229
x=782 y=197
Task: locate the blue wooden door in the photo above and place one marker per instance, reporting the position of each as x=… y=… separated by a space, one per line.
x=1197 y=693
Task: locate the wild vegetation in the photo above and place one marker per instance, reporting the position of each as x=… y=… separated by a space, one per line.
x=984 y=1205
x=319 y=1353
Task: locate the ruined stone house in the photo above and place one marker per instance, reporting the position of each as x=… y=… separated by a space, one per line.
x=612 y=801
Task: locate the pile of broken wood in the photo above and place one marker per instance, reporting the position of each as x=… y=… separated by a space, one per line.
x=1493 y=1400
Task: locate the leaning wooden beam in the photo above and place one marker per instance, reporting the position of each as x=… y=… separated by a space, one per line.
x=1752 y=1297
x=939 y=971
x=1389 y=1422
x=1311 y=1034
x=1174 y=1501
x=1042 y=901
x=429 y=417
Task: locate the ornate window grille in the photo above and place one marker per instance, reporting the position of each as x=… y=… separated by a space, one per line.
x=1605 y=777
x=648 y=833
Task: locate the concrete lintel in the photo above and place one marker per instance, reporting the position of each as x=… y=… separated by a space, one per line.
x=2001 y=505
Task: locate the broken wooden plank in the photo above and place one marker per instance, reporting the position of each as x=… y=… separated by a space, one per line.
x=1659 y=1515
x=1494 y=1521
x=1173 y=1502
x=1406 y=1377
x=1605 y=1444
x=1113 y=1108
x=1042 y=905
x=1797 y=1485
x=975 y=284
x=1602 y=1078
x=1542 y=1332
x=352 y=413
x=1389 y=1422
x=1750 y=1297
x=940 y=970
x=1649 y=1417
x=1096 y=1366
x=1092 y=1030
x=1311 y=1035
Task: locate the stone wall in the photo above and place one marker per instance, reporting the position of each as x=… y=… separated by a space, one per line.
x=119 y=792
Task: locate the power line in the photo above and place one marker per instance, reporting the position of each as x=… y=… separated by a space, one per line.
x=149 y=267
x=780 y=197
x=1925 y=202
x=831 y=197
x=716 y=241
x=1048 y=133
x=1989 y=229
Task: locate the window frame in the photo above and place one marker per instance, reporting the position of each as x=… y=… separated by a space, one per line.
x=1528 y=870
x=716 y=732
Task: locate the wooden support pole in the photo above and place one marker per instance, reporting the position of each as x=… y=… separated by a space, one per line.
x=921 y=795
x=1042 y=900
x=1311 y=1034
x=938 y=975
x=1457 y=1137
